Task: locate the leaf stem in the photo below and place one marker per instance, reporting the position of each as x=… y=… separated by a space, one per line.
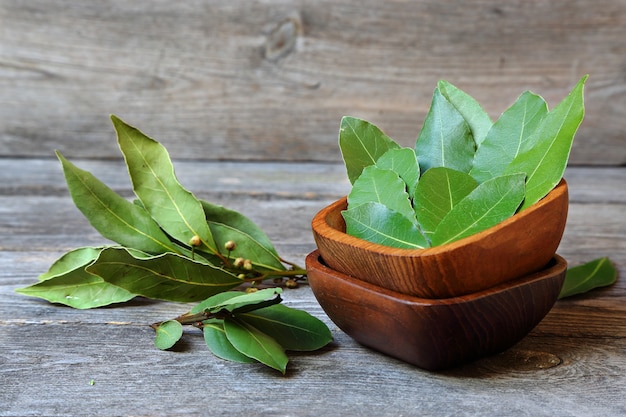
x=293 y=265
x=275 y=274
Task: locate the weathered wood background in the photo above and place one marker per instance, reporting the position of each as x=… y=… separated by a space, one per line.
x=241 y=80
x=248 y=96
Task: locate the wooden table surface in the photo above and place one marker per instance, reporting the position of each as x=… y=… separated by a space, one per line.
x=56 y=361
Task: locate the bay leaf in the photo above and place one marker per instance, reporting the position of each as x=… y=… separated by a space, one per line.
x=78 y=289
x=169 y=276
x=251 y=242
x=175 y=209
x=292 y=329
x=255 y=344
x=213 y=301
x=544 y=154
x=377 y=223
x=487 y=205
x=445 y=139
x=586 y=277
x=381 y=186
x=247 y=247
x=217 y=342
x=361 y=144
x=167 y=334
x=220 y=214
x=507 y=136
x=473 y=113
x=438 y=191
x=238 y=300
x=111 y=215
x=76 y=258
x=403 y=162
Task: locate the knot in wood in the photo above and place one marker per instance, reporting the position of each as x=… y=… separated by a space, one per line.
x=526 y=360
x=281 y=39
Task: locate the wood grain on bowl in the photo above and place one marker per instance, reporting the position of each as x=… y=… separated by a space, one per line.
x=436 y=334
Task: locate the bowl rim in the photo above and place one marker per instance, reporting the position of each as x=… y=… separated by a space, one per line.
x=320 y=226
x=557 y=265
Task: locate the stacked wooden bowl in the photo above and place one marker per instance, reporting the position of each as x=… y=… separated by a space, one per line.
x=442 y=306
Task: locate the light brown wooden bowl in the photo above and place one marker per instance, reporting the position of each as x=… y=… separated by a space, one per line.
x=436 y=334
x=520 y=245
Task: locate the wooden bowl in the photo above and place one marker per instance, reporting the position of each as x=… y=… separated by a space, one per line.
x=436 y=334
x=522 y=244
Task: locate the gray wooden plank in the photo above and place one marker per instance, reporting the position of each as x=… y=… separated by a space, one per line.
x=50 y=354
x=43 y=176
x=260 y=180
x=572 y=364
x=48 y=366
x=271 y=80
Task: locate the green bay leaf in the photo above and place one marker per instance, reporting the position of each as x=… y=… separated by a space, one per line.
x=361 y=144
x=214 y=301
x=583 y=278
x=238 y=300
x=111 y=215
x=251 y=241
x=402 y=161
x=167 y=334
x=174 y=208
x=473 y=113
x=247 y=247
x=217 y=342
x=381 y=186
x=78 y=289
x=76 y=258
x=253 y=343
x=544 y=154
x=508 y=135
x=445 y=139
x=438 y=191
x=293 y=329
x=377 y=223
x=220 y=214
x=487 y=205
x=169 y=276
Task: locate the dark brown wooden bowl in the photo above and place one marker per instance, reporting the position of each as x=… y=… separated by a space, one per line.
x=520 y=245
x=436 y=334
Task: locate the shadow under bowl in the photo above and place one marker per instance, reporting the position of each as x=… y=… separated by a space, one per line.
x=436 y=334
x=522 y=244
